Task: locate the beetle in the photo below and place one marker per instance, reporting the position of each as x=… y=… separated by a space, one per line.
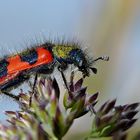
x=42 y=59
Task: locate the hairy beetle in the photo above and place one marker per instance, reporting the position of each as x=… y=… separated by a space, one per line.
x=42 y=59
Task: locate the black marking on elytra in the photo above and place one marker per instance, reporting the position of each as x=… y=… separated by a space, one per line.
x=3 y=68
x=29 y=56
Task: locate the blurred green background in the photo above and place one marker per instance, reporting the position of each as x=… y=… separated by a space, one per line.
x=105 y=27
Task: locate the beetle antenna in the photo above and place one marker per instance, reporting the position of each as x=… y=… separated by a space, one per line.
x=104 y=58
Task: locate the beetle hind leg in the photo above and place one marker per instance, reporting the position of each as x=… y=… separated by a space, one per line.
x=15 y=97
x=12 y=84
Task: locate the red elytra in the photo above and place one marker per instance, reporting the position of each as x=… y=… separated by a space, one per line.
x=16 y=65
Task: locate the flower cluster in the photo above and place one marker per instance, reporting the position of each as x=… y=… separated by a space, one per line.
x=111 y=120
x=42 y=117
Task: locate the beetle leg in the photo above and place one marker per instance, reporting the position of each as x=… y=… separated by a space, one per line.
x=65 y=82
x=11 y=95
x=63 y=77
x=33 y=90
x=12 y=84
x=35 y=81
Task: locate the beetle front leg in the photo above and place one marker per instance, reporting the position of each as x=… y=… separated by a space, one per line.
x=63 y=77
x=65 y=82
